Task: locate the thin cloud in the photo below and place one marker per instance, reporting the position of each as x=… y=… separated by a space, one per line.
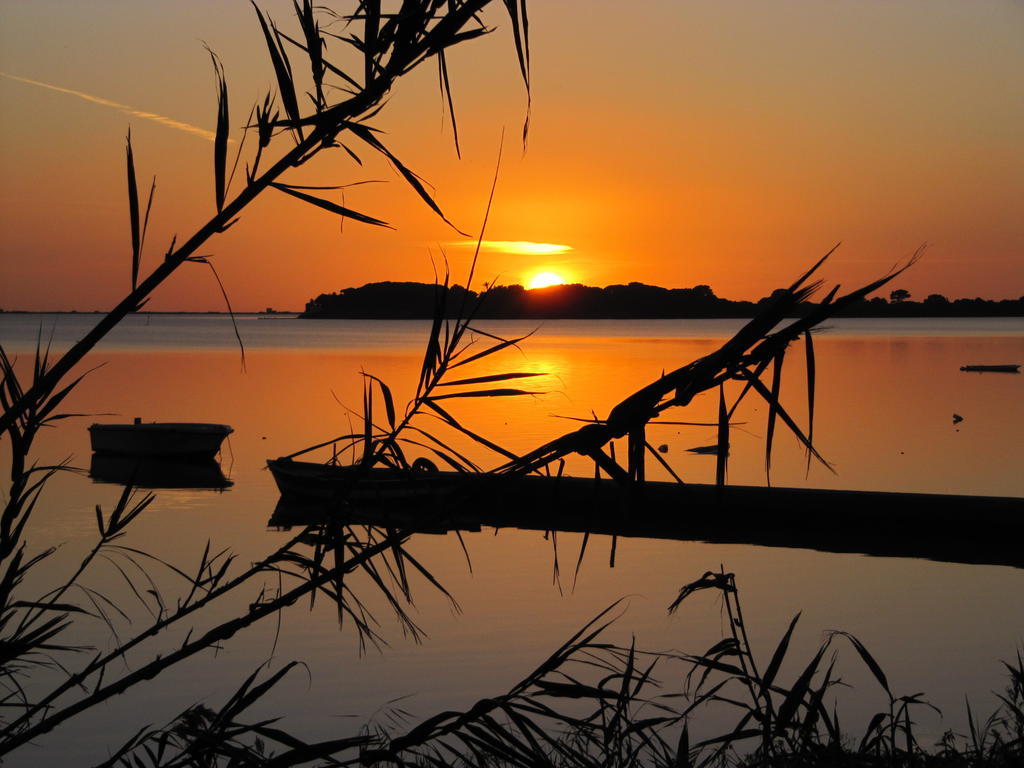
x=169 y=122
x=524 y=247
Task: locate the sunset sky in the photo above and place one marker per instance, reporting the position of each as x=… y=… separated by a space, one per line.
x=673 y=143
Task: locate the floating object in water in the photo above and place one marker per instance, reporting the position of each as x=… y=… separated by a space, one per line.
x=705 y=450
x=991 y=368
x=957 y=418
x=363 y=487
x=159 y=439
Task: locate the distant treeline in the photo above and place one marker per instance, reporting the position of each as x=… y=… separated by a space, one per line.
x=416 y=301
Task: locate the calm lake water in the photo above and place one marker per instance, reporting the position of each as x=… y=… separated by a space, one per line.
x=887 y=392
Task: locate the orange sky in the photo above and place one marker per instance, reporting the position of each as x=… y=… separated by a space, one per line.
x=724 y=143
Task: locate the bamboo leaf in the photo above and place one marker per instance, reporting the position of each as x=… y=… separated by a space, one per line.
x=145 y=218
x=683 y=748
x=786 y=418
x=367 y=422
x=351 y=154
x=335 y=186
x=371 y=27
x=710 y=580
x=446 y=92
x=572 y=690
x=282 y=70
x=870 y=733
x=491 y=350
x=495 y=377
x=869 y=660
x=389 y=403
x=778 y=656
x=811 y=376
x=451 y=421
x=796 y=694
x=651 y=449
x=723 y=439
x=327 y=205
x=447 y=448
x=220 y=141
x=816 y=710
x=773 y=411
x=314 y=47
x=133 y=211
x=803 y=278
x=485 y=393
x=413 y=180
x=521 y=35
x=43 y=414
x=432 y=351
x=728 y=738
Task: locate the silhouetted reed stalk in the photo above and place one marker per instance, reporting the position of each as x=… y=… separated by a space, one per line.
x=596 y=704
x=629 y=724
x=593 y=704
x=317 y=578
x=450 y=345
x=392 y=45
x=744 y=358
x=32 y=632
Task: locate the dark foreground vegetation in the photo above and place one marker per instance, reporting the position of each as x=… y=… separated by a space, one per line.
x=591 y=703
x=390 y=300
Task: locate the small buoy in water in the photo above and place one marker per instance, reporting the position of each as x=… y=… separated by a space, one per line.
x=957 y=418
x=663 y=448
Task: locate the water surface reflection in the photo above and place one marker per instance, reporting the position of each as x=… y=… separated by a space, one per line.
x=884 y=418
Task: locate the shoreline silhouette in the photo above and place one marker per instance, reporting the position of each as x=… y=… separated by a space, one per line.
x=412 y=300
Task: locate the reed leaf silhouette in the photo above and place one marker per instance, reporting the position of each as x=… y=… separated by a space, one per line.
x=220 y=141
x=743 y=358
x=392 y=46
x=138 y=226
x=536 y=722
x=35 y=630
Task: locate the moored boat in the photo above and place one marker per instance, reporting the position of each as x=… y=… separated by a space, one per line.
x=358 y=485
x=159 y=439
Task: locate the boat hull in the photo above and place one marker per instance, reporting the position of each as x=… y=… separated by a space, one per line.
x=314 y=482
x=159 y=440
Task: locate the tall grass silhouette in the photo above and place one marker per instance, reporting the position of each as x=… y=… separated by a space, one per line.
x=37 y=631
x=556 y=715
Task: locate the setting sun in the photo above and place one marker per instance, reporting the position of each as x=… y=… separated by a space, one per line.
x=545 y=279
